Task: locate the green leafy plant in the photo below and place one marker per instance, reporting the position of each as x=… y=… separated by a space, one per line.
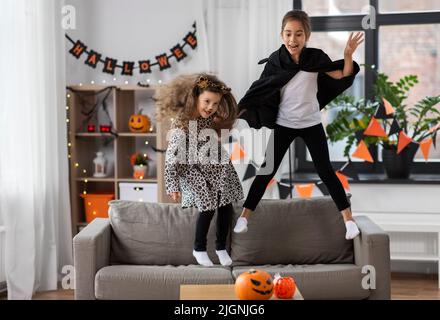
x=139 y=159
x=353 y=115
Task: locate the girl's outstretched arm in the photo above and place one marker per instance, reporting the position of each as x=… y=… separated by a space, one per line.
x=352 y=43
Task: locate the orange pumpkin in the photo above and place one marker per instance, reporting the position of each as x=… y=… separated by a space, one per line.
x=254 y=285
x=283 y=287
x=139 y=123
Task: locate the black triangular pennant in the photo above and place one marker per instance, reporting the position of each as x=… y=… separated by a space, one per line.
x=381 y=113
x=322 y=187
x=231 y=139
x=359 y=135
x=349 y=170
x=250 y=172
x=412 y=148
x=395 y=128
x=284 y=191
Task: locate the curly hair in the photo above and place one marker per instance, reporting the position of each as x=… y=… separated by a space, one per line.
x=178 y=99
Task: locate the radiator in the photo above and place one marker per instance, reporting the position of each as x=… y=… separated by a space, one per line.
x=2 y=259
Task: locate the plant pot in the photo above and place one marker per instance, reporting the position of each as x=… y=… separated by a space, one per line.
x=140 y=172
x=398 y=166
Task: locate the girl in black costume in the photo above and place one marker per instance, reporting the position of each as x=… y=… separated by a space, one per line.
x=297 y=82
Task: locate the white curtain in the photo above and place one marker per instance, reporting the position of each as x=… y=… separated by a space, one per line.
x=240 y=33
x=34 y=194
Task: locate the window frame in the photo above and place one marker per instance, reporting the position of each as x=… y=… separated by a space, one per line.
x=353 y=22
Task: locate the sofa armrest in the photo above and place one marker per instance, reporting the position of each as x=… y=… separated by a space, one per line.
x=372 y=247
x=91 y=252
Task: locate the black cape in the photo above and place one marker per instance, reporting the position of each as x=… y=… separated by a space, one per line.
x=259 y=106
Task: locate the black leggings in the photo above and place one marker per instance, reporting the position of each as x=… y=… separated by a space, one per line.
x=316 y=141
x=224 y=217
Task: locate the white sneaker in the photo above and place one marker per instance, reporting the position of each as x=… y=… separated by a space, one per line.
x=225 y=259
x=202 y=258
x=241 y=225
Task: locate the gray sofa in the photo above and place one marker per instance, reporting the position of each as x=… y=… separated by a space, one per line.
x=144 y=251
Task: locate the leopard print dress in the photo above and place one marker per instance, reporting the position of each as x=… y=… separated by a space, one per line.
x=204 y=184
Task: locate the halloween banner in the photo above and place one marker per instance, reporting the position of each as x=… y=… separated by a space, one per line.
x=110 y=65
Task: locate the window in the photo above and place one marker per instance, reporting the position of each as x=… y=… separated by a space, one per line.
x=406 y=31
x=416 y=49
x=408 y=5
x=333 y=7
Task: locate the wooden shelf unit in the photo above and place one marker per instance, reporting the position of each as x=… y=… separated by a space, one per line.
x=122 y=102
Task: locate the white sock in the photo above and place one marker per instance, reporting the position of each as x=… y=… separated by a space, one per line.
x=352 y=230
x=224 y=257
x=202 y=258
x=241 y=225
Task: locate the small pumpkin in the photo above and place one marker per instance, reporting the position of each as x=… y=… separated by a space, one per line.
x=254 y=285
x=283 y=287
x=139 y=123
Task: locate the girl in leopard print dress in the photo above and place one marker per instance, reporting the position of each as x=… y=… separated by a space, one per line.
x=198 y=171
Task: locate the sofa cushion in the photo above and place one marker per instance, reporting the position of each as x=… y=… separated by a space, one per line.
x=298 y=231
x=155 y=233
x=331 y=281
x=154 y=282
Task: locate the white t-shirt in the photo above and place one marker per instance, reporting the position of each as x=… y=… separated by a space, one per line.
x=299 y=107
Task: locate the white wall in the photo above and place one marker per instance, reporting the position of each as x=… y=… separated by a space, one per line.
x=133 y=30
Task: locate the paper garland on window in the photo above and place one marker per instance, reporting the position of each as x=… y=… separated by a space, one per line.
x=348 y=170
x=386 y=111
x=162 y=61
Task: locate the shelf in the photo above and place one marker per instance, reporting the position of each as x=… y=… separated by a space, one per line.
x=93 y=179
x=148 y=180
x=134 y=87
x=122 y=134
x=93 y=134
x=128 y=87
x=123 y=102
x=131 y=134
x=89 y=87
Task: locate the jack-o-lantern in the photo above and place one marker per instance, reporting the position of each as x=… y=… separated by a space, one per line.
x=139 y=123
x=283 y=287
x=254 y=285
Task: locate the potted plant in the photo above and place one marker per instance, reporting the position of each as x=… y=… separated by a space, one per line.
x=413 y=124
x=139 y=163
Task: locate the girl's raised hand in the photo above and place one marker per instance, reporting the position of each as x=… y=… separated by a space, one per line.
x=353 y=42
x=176 y=196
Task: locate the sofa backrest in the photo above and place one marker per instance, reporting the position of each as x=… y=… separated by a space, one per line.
x=155 y=233
x=298 y=231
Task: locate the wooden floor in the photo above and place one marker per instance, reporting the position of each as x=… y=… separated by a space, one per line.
x=403 y=287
